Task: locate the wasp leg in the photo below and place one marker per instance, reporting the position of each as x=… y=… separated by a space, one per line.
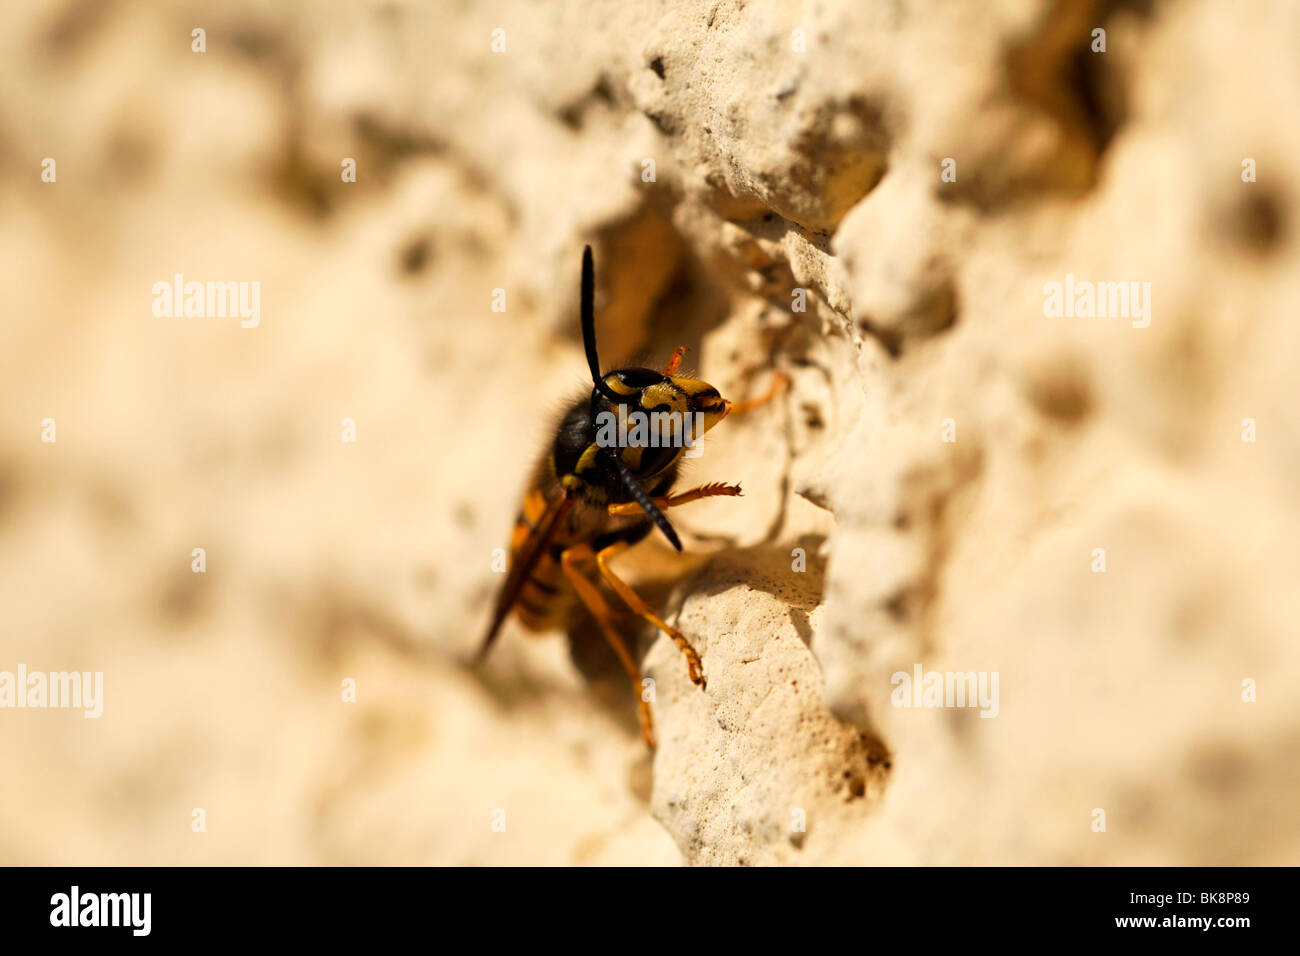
x=711 y=490
x=633 y=600
x=779 y=382
x=571 y=560
x=675 y=362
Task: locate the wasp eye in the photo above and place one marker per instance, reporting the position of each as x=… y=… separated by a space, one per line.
x=639 y=377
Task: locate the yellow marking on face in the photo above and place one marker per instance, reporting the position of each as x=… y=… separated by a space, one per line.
x=691 y=386
x=656 y=396
x=613 y=382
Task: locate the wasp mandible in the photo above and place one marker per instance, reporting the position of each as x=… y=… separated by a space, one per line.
x=596 y=492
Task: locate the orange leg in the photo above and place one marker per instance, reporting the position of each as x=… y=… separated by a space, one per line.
x=571 y=561
x=633 y=600
x=779 y=383
x=711 y=490
x=675 y=362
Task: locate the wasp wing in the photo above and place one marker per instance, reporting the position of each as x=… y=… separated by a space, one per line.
x=526 y=558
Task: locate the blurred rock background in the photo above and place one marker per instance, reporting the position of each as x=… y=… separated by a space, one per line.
x=948 y=458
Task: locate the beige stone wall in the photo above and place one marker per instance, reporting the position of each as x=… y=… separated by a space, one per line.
x=949 y=458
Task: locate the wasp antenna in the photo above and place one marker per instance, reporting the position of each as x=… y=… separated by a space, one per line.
x=642 y=499
x=589 y=325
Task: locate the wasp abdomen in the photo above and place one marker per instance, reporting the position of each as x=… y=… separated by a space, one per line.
x=546 y=600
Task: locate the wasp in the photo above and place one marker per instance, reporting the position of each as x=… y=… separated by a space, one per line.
x=599 y=489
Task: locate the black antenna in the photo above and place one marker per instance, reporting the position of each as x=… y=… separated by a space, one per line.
x=637 y=492
x=612 y=455
x=589 y=326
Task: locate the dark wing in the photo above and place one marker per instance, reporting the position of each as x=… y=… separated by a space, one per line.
x=533 y=548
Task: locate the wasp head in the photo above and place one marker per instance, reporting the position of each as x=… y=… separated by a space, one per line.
x=653 y=417
x=644 y=419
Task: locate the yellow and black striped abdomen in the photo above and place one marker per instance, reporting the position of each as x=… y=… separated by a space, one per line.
x=546 y=600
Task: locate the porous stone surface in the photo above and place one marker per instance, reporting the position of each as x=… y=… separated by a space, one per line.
x=1099 y=512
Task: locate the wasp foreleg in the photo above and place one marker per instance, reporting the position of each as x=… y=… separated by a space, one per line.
x=779 y=383
x=675 y=362
x=711 y=490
